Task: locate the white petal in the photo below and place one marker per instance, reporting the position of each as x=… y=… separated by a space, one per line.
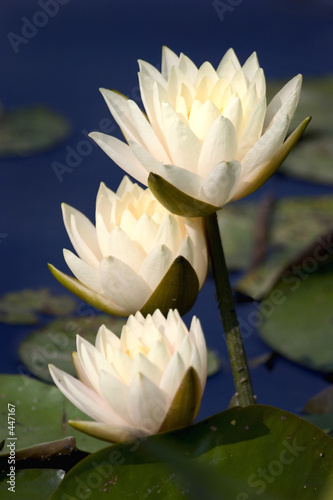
x=116 y=394
x=159 y=354
x=106 y=342
x=88 y=401
x=169 y=59
x=234 y=112
x=147 y=135
x=253 y=129
x=187 y=250
x=219 y=145
x=82 y=234
x=228 y=66
x=169 y=233
x=123 y=285
x=182 y=179
x=219 y=187
x=150 y=163
x=119 y=108
x=126 y=250
x=289 y=95
x=204 y=118
x=188 y=68
x=251 y=66
x=87 y=275
x=173 y=375
x=149 y=70
x=121 y=154
x=265 y=146
x=141 y=364
x=156 y=265
x=195 y=230
x=145 y=232
x=92 y=361
x=183 y=145
x=148 y=403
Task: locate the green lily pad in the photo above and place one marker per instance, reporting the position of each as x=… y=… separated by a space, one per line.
x=238 y=454
x=35 y=484
x=296 y=317
x=21 y=307
x=311 y=159
x=54 y=342
x=321 y=403
x=41 y=414
x=213 y=362
x=30 y=130
x=294 y=225
x=237 y=223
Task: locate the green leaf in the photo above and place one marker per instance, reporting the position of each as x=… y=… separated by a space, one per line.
x=294 y=225
x=32 y=129
x=54 y=342
x=213 y=362
x=321 y=402
x=41 y=414
x=295 y=318
x=178 y=289
x=237 y=223
x=36 y=484
x=238 y=454
x=176 y=201
x=21 y=307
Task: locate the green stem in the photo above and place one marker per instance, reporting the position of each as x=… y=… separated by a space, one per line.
x=226 y=305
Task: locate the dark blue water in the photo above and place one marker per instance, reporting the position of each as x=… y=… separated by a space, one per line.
x=79 y=46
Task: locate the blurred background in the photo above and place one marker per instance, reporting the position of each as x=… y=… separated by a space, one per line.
x=58 y=53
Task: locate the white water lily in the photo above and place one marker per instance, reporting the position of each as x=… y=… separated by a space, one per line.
x=149 y=381
x=210 y=137
x=138 y=257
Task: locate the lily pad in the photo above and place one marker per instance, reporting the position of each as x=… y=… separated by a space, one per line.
x=36 y=484
x=21 y=307
x=30 y=130
x=238 y=454
x=237 y=223
x=213 y=362
x=311 y=159
x=321 y=402
x=41 y=414
x=294 y=225
x=54 y=342
x=296 y=317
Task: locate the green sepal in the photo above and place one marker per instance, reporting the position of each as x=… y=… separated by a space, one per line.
x=93 y=298
x=185 y=404
x=176 y=201
x=177 y=290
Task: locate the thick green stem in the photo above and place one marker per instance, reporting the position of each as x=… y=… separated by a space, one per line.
x=226 y=305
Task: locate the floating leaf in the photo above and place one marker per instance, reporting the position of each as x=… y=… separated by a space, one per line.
x=321 y=402
x=311 y=159
x=237 y=225
x=21 y=307
x=54 y=342
x=238 y=454
x=35 y=484
x=213 y=362
x=296 y=317
x=295 y=224
x=29 y=130
x=41 y=414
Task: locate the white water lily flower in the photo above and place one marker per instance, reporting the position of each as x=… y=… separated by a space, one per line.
x=138 y=257
x=210 y=137
x=149 y=381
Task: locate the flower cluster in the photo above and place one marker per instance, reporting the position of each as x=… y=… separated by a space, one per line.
x=210 y=138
